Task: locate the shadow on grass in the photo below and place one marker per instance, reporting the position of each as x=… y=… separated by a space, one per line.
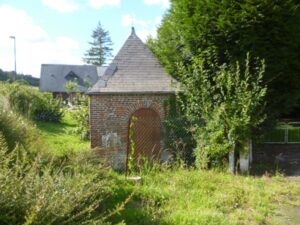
x=55 y=128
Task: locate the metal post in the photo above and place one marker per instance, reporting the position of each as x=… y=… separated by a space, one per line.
x=15 y=56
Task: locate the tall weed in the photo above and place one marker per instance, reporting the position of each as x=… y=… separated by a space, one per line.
x=16 y=130
x=49 y=191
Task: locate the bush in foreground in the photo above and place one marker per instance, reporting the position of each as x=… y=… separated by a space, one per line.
x=16 y=130
x=42 y=191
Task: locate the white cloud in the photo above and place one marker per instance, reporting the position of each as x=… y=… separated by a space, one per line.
x=101 y=3
x=34 y=46
x=158 y=20
x=164 y=3
x=61 y=5
x=144 y=33
x=131 y=20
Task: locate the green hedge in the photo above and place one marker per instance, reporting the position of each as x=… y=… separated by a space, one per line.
x=34 y=104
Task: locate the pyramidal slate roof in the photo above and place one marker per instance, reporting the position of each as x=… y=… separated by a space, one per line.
x=134 y=70
x=55 y=76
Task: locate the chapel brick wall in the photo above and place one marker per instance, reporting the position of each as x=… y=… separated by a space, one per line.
x=111 y=114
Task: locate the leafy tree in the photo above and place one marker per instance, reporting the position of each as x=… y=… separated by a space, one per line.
x=229 y=100
x=268 y=29
x=100 y=49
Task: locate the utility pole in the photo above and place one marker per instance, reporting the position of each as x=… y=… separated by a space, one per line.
x=15 y=55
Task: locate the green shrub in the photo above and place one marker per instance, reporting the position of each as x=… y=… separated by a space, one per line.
x=16 y=130
x=53 y=191
x=38 y=189
x=49 y=110
x=33 y=104
x=80 y=114
x=229 y=99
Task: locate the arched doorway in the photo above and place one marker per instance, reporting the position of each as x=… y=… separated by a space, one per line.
x=144 y=135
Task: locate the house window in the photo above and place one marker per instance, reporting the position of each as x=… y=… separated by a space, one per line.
x=73 y=77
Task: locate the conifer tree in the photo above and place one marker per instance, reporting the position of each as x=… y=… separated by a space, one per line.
x=100 y=50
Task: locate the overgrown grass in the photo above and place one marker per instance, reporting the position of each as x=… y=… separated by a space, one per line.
x=186 y=197
x=42 y=190
x=59 y=137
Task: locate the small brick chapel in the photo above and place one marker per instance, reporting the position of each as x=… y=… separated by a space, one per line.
x=129 y=97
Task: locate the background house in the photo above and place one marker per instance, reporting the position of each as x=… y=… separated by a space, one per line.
x=55 y=76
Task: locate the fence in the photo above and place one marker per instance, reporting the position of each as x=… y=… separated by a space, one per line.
x=284 y=133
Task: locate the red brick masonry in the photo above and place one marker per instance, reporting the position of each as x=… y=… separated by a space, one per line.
x=110 y=113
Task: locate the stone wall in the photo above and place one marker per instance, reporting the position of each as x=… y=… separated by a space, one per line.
x=110 y=115
x=283 y=157
x=271 y=153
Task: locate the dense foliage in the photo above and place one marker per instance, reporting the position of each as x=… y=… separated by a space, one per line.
x=229 y=101
x=27 y=79
x=100 y=50
x=37 y=188
x=80 y=114
x=268 y=29
x=17 y=131
x=33 y=104
x=43 y=190
x=177 y=133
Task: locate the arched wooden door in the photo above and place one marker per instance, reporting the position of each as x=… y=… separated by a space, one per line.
x=144 y=134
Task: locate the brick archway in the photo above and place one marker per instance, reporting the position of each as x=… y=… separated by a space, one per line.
x=144 y=133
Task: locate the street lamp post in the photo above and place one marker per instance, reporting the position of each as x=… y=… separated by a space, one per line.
x=15 y=53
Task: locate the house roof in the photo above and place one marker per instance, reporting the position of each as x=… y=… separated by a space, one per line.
x=54 y=76
x=134 y=70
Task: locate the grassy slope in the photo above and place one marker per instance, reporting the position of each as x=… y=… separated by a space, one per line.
x=59 y=138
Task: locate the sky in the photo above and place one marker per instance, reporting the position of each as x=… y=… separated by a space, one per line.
x=58 y=31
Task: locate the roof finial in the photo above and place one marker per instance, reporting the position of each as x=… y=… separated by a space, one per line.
x=132 y=30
